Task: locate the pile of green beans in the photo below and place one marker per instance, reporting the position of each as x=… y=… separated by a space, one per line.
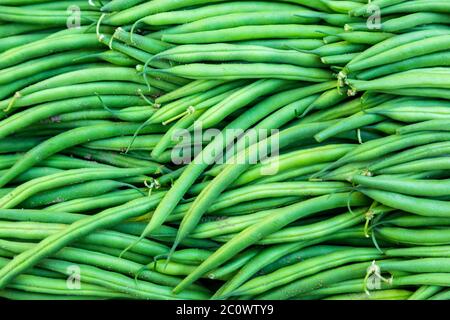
x=199 y=149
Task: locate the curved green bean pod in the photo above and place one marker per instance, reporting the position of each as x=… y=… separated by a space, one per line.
x=276 y=221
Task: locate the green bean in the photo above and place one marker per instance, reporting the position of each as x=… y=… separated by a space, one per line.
x=374 y=149
x=240 y=99
x=255 y=206
x=12 y=294
x=147 y=44
x=234 y=170
x=188 y=89
x=175 y=108
x=364 y=37
x=68 y=193
x=64 y=178
x=416 y=114
x=96 y=259
x=431 y=78
x=119 y=5
x=89 y=75
x=17 y=144
x=334 y=19
x=341 y=6
x=344 y=287
x=400 y=41
x=394 y=294
x=444 y=295
x=25 y=118
x=198 y=71
x=200 y=163
x=417 y=153
x=414 y=187
x=263 y=259
x=402 y=49
x=121 y=283
x=300 y=255
x=422 y=237
x=123 y=143
x=364 y=10
x=276 y=221
x=12 y=29
x=78 y=229
x=44 y=47
x=429 y=60
x=79 y=90
x=10 y=88
x=115 y=159
x=319 y=229
x=113 y=57
x=432 y=279
x=34 y=173
x=418 y=6
x=285 y=44
x=234 y=20
x=412 y=20
x=233 y=52
x=195 y=14
x=419 y=92
x=7 y=43
x=61 y=5
x=427 y=251
x=429 y=125
x=65 y=140
x=58 y=287
x=234 y=224
x=136 y=12
x=420 y=206
x=230 y=268
x=114 y=198
x=339 y=59
x=295 y=159
x=442 y=163
x=301 y=269
x=308 y=284
x=251 y=33
x=214 y=10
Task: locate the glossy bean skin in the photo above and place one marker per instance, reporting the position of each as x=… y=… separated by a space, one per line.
x=417 y=153
x=417 y=6
x=59 y=179
x=414 y=19
x=429 y=60
x=198 y=71
x=67 y=139
x=432 y=78
x=212 y=10
x=201 y=162
x=44 y=47
x=251 y=33
x=284 y=275
x=51 y=109
x=420 y=206
x=234 y=20
x=259 y=230
x=57 y=241
x=232 y=52
x=424 y=237
x=424 y=188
